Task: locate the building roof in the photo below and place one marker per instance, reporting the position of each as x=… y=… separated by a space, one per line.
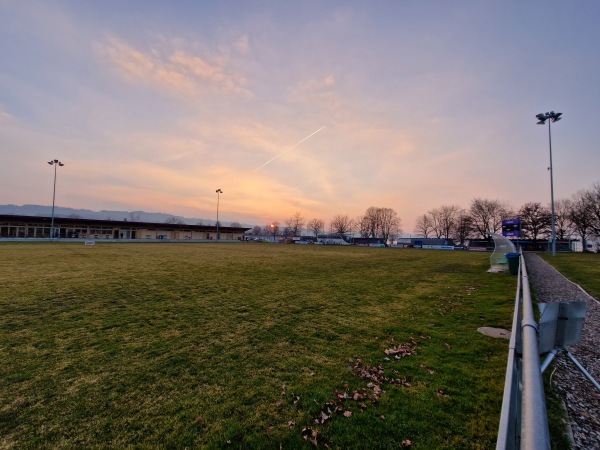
x=73 y=221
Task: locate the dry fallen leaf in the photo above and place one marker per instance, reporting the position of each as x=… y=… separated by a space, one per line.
x=347 y=413
x=406 y=443
x=382 y=417
x=310 y=435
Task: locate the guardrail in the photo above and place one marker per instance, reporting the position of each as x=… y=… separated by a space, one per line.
x=523 y=420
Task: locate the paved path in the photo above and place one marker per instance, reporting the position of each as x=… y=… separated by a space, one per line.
x=581 y=399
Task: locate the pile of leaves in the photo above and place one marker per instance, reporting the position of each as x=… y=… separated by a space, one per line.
x=344 y=400
x=404 y=349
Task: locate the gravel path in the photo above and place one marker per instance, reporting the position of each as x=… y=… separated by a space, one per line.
x=580 y=396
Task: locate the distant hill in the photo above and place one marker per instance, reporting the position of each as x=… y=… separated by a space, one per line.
x=61 y=211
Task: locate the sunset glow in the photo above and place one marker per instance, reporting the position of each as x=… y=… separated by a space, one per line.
x=154 y=105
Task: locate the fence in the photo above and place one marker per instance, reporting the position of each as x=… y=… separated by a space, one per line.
x=523 y=420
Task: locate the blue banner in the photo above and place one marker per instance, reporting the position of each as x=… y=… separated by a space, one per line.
x=511 y=227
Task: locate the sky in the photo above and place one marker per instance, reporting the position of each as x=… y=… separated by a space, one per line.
x=317 y=107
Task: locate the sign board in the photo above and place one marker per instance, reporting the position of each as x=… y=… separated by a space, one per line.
x=90 y=242
x=561 y=324
x=511 y=227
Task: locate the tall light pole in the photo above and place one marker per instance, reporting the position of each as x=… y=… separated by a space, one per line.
x=55 y=163
x=542 y=118
x=219 y=192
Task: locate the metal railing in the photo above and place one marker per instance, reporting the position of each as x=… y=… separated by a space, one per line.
x=523 y=420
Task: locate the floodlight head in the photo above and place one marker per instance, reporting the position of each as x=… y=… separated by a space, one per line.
x=61 y=164
x=542 y=122
x=55 y=161
x=50 y=162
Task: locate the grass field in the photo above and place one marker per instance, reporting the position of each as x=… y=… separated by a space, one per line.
x=249 y=346
x=581 y=268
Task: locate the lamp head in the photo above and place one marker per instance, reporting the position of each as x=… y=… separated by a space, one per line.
x=61 y=164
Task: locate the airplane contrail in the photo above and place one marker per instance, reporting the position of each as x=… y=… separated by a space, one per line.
x=288 y=149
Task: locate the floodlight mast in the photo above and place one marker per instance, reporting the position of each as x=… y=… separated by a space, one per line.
x=218 y=191
x=55 y=163
x=542 y=118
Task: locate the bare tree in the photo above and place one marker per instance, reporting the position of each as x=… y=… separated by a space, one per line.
x=288 y=229
x=463 y=227
x=562 y=223
x=371 y=221
x=581 y=216
x=535 y=220
x=436 y=222
x=379 y=222
x=487 y=215
x=363 y=226
x=256 y=230
x=271 y=229
x=423 y=226
x=295 y=224
x=235 y=224
x=316 y=226
x=341 y=224
x=389 y=223
x=594 y=205
x=443 y=220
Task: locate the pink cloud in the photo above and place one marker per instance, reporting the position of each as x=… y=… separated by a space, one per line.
x=180 y=72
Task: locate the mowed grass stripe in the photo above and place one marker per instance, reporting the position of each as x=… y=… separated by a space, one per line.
x=189 y=345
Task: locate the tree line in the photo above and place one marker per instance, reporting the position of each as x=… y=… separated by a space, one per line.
x=579 y=214
x=376 y=222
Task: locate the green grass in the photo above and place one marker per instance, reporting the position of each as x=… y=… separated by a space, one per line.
x=581 y=268
x=189 y=345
